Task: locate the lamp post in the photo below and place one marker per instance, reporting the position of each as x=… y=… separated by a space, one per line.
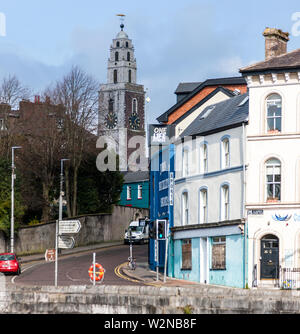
x=59 y=216
x=13 y=176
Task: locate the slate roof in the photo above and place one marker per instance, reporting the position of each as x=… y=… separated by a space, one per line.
x=186 y=87
x=225 y=91
x=220 y=116
x=290 y=60
x=210 y=82
x=131 y=177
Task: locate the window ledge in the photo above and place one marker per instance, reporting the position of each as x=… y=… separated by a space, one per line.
x=211 y=269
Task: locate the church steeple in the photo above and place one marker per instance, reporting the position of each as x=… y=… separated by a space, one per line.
x=121 y=63
x=121 y=99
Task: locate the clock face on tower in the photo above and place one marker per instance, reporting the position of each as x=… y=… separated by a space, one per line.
x=134 y=122
x=111 y=120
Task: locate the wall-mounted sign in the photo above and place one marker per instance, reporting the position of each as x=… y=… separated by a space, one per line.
x=255 y=212
x=161 y=134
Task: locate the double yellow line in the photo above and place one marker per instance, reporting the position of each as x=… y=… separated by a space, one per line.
x=119 y=274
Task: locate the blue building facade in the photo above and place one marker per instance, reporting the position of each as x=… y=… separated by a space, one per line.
x=161 y=183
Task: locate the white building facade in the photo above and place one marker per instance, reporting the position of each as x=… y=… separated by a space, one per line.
x=273 y=166
x=208 y=233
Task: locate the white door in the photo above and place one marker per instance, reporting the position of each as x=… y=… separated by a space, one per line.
x=203 y=260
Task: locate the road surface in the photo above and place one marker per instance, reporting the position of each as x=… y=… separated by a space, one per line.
x=73 y=269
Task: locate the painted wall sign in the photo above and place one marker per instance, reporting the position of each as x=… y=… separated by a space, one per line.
x=161 y=134
x=280 y=218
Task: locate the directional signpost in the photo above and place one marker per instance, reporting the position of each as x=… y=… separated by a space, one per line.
x=69 y=227
x=64 y=240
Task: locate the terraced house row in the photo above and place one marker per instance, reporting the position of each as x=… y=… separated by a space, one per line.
x=233 y=175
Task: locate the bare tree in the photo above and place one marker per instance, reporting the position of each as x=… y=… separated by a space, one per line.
x=12 y=91
x=41 y=139
x=78 y=93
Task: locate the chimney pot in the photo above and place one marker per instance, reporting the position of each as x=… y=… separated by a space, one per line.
x=275 y=42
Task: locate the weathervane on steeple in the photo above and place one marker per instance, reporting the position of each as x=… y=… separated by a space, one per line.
x=122 y=18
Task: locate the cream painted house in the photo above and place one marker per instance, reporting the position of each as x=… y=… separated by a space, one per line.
x=273 y=164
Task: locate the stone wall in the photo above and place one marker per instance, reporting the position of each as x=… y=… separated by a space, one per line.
x=94 y=229
x=104 y=299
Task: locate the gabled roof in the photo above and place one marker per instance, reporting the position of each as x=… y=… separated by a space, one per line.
x=210 y=82
x=225 y=91
x=217 y=117
x=290 y=60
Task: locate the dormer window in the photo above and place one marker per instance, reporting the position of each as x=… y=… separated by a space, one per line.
x=274 y=106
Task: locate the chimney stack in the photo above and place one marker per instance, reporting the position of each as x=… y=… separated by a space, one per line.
x=275 y=42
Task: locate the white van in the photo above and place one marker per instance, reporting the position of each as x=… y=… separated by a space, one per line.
x=139 y=231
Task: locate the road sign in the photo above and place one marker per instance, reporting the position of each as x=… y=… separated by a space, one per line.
x=69 y=226
x=65 y=241
x=50 y=255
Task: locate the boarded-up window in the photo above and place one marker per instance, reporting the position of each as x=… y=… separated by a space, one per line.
x=219 y=253
x=186 y=248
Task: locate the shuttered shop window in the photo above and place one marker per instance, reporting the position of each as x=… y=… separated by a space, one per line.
x=219 y=253
x=186 y=248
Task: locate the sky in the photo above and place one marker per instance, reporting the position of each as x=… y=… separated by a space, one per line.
x=175 y=41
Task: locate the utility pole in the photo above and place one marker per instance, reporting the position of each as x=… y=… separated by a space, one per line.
x=12 y=218
x=59 y=216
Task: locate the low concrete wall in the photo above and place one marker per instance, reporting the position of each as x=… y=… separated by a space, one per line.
x=147 y=300
x=95 y=229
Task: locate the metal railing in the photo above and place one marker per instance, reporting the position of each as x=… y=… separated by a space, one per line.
x=289 y=278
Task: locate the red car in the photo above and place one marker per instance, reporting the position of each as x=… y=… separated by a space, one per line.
x=9 y=263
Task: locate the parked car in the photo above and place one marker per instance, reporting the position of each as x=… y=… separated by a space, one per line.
x=9 y=263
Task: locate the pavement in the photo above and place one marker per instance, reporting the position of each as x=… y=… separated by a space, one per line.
x=142 y=273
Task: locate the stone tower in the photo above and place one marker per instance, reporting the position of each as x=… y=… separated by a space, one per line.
x=121 y=99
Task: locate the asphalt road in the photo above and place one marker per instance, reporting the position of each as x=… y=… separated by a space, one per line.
x=73 y=269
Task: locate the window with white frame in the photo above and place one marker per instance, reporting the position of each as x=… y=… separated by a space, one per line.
x=185 y=208
x=273 y=180
x=185 y=162
x=140 y=191
x=224 y=202
x=203 y=206
x=274 y=108
x=128 y=192
x=203 y=158
x=225 y=153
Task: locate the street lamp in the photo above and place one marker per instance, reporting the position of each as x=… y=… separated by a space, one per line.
x=13 y=176
x=59 y=215
x=61 y=187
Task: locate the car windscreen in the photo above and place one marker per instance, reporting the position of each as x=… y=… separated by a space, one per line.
x=7 y=257
x=136 y=228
